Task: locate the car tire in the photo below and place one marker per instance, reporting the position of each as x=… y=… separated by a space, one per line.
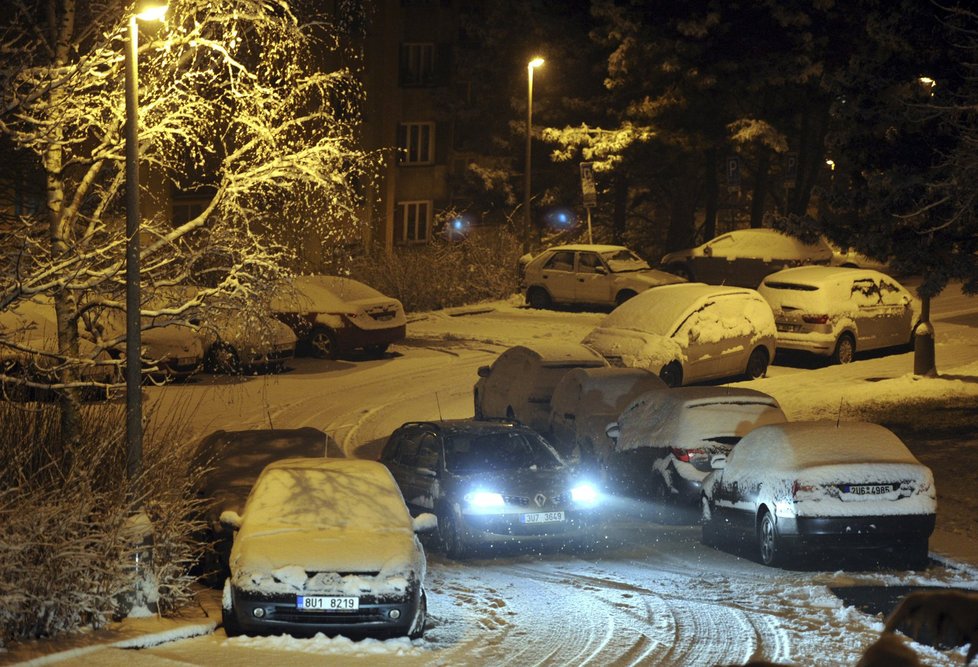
x=222 y=359
x=845 y=349
x=322 y=343
x=770 y=549
x=672 y=374
x=230 y=622
x=377 y=351
x=538 y=298
x=757 y=364
x=451 y=537
x=416 y=631
x=624 y=296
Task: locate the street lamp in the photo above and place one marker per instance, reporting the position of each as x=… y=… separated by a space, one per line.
x=532 y=65
x=134 y=408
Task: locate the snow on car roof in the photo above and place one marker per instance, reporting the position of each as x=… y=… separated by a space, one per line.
x=557 y=353
x=688 y=414
x=818 y=275
x=585 y=246
x=793 y=446
x=322 y=294
x=764 y=242
x=659 y=309
x=602 y=389
x=324 y=493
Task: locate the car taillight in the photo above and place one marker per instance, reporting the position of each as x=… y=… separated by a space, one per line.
x=815 y=319
x=688 y=455
x=797 y=487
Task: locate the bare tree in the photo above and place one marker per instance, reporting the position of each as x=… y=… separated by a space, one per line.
x=242 y=102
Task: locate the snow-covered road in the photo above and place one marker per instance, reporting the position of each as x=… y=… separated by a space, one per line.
x=650 y=594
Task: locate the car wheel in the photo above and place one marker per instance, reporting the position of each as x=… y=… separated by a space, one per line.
x=230 y=622
x=322 y=343
x=757 y=364
x=222 y=359
x=451 y=537
x=538 y=298
x=770 y=549
x=624 y=296
x=377 y=351
x=417 y=626
x=672 y=374
x=845 y=349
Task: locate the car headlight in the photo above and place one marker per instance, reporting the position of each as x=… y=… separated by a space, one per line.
x=584 y=494
x=484 y=499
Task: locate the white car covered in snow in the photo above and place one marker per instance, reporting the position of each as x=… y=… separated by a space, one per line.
x=665 y=439
x=602 y=275
x=333 y=315
x=690 y=333
x=326 y=545
x=586 y=400
x=821 y=485
x=520 y=382
x=835 y=311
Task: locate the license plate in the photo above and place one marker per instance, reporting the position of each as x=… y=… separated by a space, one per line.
x=323 y=603
x=543 y=517
x=868 y=489
x=788 y=328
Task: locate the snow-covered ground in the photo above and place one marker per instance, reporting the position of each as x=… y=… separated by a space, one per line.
x=649 y=594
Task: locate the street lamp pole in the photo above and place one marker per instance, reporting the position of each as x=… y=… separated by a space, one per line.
x=134 y=407
x=533 y=64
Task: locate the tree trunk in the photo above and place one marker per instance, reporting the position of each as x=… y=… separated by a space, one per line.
x=620 y=214
x=811 y=158
x=761 y=182
x=712 y=195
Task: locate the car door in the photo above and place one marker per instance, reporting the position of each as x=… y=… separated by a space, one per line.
x=400 y=457
x=558 y=276
x=735 y=343
x=870 y=313
x=712 y=266
x=696 y=335
x=899 y=312
x=592 y=279
x=422 y=478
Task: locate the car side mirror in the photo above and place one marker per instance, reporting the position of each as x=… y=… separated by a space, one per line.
x=718 y=461
x=612 y=431
x=484 y=371
x=601 y=270
x=230 y=519
x=425 y=522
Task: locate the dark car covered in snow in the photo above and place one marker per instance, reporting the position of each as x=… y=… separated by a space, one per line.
x=325 y=545
x=490 y=483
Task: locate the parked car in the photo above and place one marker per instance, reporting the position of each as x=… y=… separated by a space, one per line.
x=835 y=312
x=821 y=485
x=585 y=400
x=744 y=256
x=29 y=351
x=490 y=483
x=689 y=333
x=521 y=381
x=332 y=315
x=325 y=545
x=664 y=441
x=602 y=275
x=234 y=339
x=854 y=260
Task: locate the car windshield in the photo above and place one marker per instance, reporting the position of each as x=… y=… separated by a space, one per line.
x=493 y=452
x=622 y=260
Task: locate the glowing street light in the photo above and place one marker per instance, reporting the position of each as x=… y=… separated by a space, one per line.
x=134 y=407
x=532 y=65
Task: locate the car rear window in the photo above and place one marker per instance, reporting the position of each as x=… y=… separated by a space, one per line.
x=800 y=287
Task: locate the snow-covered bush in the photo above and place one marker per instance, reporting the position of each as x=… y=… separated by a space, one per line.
x=64 y=553
x=445 y=274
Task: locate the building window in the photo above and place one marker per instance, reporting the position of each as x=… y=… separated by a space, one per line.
x=186 y=209
x=417 y=143
x=412 y=222
x=417 y=64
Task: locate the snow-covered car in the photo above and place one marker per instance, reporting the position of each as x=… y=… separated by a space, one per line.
x=490 y=483
x=821 y=485
x=665 y=439
x=521 y=381
x=689 y=333
x=835 y=312
x=744 y=256
x=29 y=350
x=602 y=275
x=586 y=400
x=332 y=315
x=854 y=260
x=325 y=545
